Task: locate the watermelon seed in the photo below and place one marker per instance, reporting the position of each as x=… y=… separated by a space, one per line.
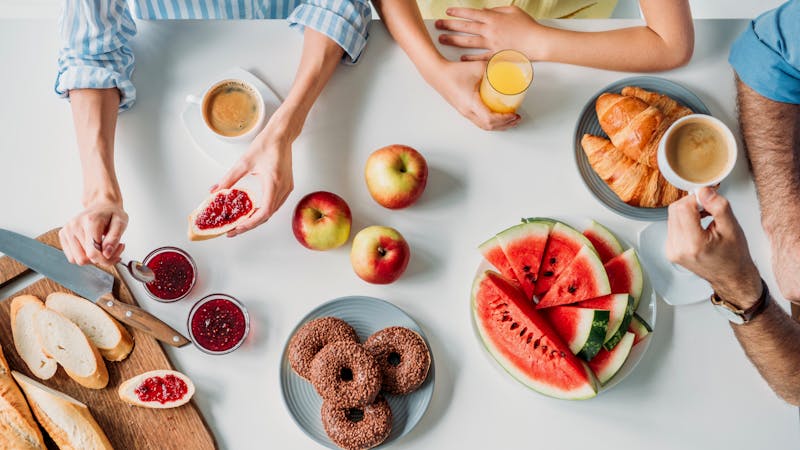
x=553 y=353
x=522 y=333
x=530 y=337
x=552 y=260
x=526 y=268
x=572 y=289
x=514 y=326
x=548 y=273
x=544 y=348
x=505 y=318
x=563 y=354
x=536 y=344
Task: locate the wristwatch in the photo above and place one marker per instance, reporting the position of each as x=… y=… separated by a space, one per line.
x=737 y=315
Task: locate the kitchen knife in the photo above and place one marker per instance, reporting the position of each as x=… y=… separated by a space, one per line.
x=87 y=281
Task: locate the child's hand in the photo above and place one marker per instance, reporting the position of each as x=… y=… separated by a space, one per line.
x=506 y=27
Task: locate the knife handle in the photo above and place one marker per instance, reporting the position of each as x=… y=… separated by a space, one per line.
x=141 y=320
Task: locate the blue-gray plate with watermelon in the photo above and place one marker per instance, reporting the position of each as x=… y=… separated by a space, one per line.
x=366 y=315
x=588 y=124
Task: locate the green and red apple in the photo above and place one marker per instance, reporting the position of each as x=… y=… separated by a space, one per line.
x=396 y=176
x=379 y=254
x=321 y=221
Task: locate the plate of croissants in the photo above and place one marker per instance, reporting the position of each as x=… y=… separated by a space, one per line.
x=616 y=143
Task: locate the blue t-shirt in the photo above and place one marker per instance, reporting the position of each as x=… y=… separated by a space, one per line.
x=767 y=55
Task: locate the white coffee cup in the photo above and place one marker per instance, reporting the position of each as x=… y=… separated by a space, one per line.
x=676 y=179
x=202 y=102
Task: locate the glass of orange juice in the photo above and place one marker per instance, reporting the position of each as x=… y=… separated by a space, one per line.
x=507 y=78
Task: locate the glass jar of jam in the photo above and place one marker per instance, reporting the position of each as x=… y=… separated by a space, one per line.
x=218 y=324
x=175 y=273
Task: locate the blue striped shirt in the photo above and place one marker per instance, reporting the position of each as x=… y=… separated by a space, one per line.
x=94 y=51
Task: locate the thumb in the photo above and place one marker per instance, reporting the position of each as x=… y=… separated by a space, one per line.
x=233 y=175
x=718 y=206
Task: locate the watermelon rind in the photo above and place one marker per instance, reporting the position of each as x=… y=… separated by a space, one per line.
x=620 y=307
x=607 y=363
x=605 y=243
x=612 y=342
x=539 y=219
x=571 y=287
x=634 y=276
x=493 y=252
x=587 y=328
x=585 y=391
x=639 y=327
x=510 y=241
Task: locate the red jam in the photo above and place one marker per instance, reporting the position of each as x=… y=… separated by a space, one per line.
x=174 y=275
x=162 y=389
x=218 y=325
x=224 y=209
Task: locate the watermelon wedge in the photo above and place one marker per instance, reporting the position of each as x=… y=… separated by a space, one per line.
x=583 y=329
x=524 y=344
x=625 y=275
x=640 y=328
x=523 y=246
x=620 y=307
x=582 y=279
x=604 y=241
x=564 y=243
x=607 y=363
x=493 y=253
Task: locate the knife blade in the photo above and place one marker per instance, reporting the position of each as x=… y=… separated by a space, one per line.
x=87 y=281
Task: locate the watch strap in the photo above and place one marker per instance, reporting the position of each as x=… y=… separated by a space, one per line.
x=746 y=314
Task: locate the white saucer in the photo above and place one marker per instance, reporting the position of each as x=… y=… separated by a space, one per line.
x=224 y=153
x=676 y=285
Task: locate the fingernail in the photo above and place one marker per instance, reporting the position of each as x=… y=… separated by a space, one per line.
x=213 y=188
x=449 y=11
x=706 y=194
x=518 y=116
x=439 y=23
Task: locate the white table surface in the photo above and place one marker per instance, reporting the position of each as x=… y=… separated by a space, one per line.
x=695 y=389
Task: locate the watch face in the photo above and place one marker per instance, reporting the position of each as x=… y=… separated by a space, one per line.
x=728 y=314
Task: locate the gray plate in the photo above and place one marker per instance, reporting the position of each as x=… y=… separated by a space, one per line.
x=367 y=315
x=587 y=123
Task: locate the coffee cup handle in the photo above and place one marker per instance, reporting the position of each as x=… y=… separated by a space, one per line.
x=693 y=192
x=193 y=99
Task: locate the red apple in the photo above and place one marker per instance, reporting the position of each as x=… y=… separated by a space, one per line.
x=396 y=176
x=379 y=254
x=321 y=221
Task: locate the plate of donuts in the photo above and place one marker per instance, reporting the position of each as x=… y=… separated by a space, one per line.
x=357 y=372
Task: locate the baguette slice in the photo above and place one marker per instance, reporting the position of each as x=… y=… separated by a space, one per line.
x=111 y=339
x=127 y=390
x=18 y=430
x=234 y=203
x=64 y=341
x=68 y=421
x=24 y=310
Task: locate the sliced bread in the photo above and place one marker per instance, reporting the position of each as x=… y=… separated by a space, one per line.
x=66 y=343
x=68 y=421
x=177 y=387
x=24 y=310
x=18 y=430
x=234 y=203
x=111 y=339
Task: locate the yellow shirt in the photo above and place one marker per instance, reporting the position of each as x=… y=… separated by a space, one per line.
x=540 y=9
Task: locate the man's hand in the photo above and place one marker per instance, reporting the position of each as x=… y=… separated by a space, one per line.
x=269 y=158
x=493 y=29
x=719 y=253
x=100 y=223
x=458 y=83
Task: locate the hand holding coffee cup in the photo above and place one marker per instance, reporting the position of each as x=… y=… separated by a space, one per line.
x=232 y=109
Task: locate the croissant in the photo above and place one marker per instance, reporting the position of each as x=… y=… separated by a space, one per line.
x=634 y=183
x=634 y=126
x=671 y=109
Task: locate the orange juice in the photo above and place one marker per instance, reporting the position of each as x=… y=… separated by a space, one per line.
x=508 y=75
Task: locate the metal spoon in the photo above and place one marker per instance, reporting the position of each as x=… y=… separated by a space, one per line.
x=137 y=270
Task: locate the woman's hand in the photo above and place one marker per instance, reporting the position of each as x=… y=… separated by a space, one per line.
x=100 y=224
x=506 y=27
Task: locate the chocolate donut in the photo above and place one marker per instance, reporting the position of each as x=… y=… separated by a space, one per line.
x=403 y=357
x=358 y=428
x=312 y=337
x=345 y=375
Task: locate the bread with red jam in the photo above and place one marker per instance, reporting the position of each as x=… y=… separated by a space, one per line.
x=220 y=213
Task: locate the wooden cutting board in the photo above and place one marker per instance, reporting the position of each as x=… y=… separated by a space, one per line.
x=128 y=427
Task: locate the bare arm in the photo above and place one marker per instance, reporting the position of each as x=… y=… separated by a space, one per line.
x=771 y=132
x=666 y=40
x=270 y=155
x=94 y=113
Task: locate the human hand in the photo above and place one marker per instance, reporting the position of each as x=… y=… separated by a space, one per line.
x=719 y=253
x=492 y=29
x=100 y=223
x=457 y=83
x=269 y=158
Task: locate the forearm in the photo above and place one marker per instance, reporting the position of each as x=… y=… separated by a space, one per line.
x=772 y=342
x=771 y=132
x=94 y=113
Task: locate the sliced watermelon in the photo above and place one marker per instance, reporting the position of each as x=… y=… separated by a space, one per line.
x=493 y=253
x=640 y=328
x=620 y=307
x=524 y=344
x=625 y=275
x=607 y=363
x=564 y=243
x=523 y=246
x=583 y=279
x=583 y=329
x=604 y=241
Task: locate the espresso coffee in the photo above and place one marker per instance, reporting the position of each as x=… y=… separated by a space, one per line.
x=231 y=108
x=698 y=152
